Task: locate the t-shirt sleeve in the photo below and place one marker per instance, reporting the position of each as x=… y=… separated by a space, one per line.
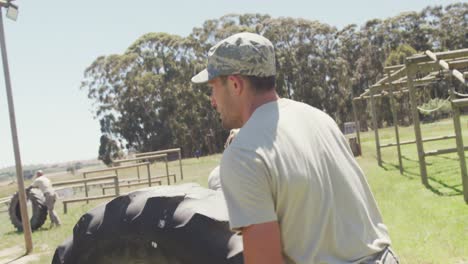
x=246 y=185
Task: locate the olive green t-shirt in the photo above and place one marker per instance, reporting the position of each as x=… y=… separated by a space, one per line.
x=290 y=163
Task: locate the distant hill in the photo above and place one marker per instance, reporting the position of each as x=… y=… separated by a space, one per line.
x=9 y=173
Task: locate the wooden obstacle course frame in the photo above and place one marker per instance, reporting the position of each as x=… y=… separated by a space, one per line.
x=156 y=181
x=149 y=157
x=414 y=141
x=116 y=171
x=166 y=151
x=87 y=198
x=403 y=76
x=5 y=201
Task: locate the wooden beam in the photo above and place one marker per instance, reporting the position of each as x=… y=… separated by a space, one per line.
x=402 y=84
x=442 y=151
x=458 y=64
x=117 y=168
x=393 y=76
x=159 y=182
x=5 y=199
x=442 y=55
x=388 y=69
x=86 y=199
x=157 y=152
x=432 y=67
x=446 y=66
x=365 y=93
x=414 y=141
x=381 y=95
x=62 y=183
x=395 y=125
x=376 y=129
x=460 y=102
x=411 y=71
x=140 y=158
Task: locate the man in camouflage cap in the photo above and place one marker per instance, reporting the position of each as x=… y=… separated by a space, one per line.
x=290 y=180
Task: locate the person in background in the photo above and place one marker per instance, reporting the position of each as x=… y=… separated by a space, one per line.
x=197 y=153
x=214 y=182
x=43 y=183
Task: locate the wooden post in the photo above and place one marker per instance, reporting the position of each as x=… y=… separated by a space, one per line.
x=180 y=165
x=117 y=188
x=459 y=141
x=138 y=173
x=376 y=128
x=14 y=133
x=395 y=123
x=167 y=172
x=149 y=174
x=410 y=72
x=118 y=180
x=85 y=188
x=461 y=151
x=356 y=122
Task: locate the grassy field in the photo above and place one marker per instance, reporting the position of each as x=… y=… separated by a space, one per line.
x=46 y=240
x=427 y=225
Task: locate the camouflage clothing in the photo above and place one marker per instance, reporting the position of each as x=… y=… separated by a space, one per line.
x=243 y=53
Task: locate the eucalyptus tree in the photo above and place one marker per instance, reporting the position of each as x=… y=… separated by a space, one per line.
x=143 y=98
x=135 y=94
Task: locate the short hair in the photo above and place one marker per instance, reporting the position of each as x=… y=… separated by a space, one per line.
x=259 y=84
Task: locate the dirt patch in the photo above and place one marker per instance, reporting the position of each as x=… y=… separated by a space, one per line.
x=11 y=252
x=24 y=259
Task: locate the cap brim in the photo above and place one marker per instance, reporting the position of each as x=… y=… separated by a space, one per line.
x=201 y=77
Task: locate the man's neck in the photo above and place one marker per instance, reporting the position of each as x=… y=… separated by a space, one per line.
x=256 y=101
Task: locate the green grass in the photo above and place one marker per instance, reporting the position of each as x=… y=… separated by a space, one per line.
x=45 y=240
x=427 y=225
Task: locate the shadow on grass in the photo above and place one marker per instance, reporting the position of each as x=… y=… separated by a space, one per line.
x=435 y=185
x=454 y=190
x=15 y=259
x=387 y=166
x=448 y=158
x=409 y=159
x=39 y=230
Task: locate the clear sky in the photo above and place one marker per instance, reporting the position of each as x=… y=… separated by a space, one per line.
x=53 y=42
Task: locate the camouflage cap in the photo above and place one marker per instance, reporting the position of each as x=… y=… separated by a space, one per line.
x=242 y=53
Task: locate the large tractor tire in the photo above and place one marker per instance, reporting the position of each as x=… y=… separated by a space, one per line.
x=39 y=210
x=184 y=224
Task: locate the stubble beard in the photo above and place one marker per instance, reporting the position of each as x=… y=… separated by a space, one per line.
x=230 y=122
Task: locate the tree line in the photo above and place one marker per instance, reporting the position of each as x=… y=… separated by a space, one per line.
x=144 y=100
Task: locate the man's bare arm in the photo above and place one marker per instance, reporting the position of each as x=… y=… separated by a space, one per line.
x=262 y=244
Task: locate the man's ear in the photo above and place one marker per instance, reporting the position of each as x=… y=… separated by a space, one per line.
x=237 y=83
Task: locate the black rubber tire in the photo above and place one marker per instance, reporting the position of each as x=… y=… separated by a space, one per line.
x=39 y=210
x=184 y=224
